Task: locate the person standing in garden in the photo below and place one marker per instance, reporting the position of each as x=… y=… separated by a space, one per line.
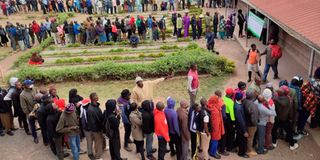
x=222 y=28
x=186 y=24
x=193 y=83
x=179 y=25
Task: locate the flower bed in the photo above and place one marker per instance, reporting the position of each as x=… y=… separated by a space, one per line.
x=177 y=62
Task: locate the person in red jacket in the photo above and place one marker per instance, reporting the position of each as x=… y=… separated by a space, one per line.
x=161 y=129
x=215 y=106
x=36 y=30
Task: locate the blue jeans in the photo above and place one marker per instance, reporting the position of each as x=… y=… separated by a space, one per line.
x=261 y=137
x=149 y=141
x=74 y=142
x=267 y=68
x=32 y=124
x=213 y=147
x=302 y=120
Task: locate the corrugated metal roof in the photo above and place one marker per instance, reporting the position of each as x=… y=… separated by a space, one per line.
x=300 y=17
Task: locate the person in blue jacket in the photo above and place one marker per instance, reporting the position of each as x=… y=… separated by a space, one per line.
x=241 y=127
x=174 y=130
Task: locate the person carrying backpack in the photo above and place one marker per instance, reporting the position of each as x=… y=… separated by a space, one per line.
x=273 y=53
x=111 y=122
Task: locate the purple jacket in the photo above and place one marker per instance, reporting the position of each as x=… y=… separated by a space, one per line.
x=172 y=117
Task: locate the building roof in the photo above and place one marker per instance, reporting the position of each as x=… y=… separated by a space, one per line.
x=299 y=18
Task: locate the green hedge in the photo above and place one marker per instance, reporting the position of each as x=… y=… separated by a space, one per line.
x=178 y=63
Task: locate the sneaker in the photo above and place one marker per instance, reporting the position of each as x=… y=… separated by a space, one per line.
x=298 y=137
x=2 y=134
x=295 y=146
x=274 y=145
x=270 y=148
x=10 y=133
x=36 y=140
x=128 y=149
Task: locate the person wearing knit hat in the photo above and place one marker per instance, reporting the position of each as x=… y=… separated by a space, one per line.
x=252 y=115
x=267 y=93
x=264 y=114
x=230 y=119
x=144 y=89
x=69 y=125
x=284 y=117
x=241 y=126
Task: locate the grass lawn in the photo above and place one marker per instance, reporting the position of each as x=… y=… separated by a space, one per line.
x=176 y=88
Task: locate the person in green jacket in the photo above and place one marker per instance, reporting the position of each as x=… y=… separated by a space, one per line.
x=230 y=119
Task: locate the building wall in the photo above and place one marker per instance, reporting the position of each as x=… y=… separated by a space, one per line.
x=299 y=52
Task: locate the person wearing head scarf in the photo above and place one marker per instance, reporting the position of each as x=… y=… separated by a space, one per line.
x=295 y=104
x=111 y=115
x=252 y=115
x=215 y=107
x=284 y=110
x=69 y=125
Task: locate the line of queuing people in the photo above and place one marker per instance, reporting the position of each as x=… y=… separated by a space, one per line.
x=247 y=120
x=9 y=7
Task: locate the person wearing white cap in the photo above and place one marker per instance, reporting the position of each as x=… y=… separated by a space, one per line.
x=144 y=89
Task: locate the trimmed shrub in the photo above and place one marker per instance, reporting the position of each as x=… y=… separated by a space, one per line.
x=178 y=63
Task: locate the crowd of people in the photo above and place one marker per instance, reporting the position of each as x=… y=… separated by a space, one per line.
x=248 y=120
x=9 y=7
x=130 y=28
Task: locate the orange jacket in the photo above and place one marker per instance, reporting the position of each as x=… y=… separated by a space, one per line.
x=160 y=125
x=215 y=105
